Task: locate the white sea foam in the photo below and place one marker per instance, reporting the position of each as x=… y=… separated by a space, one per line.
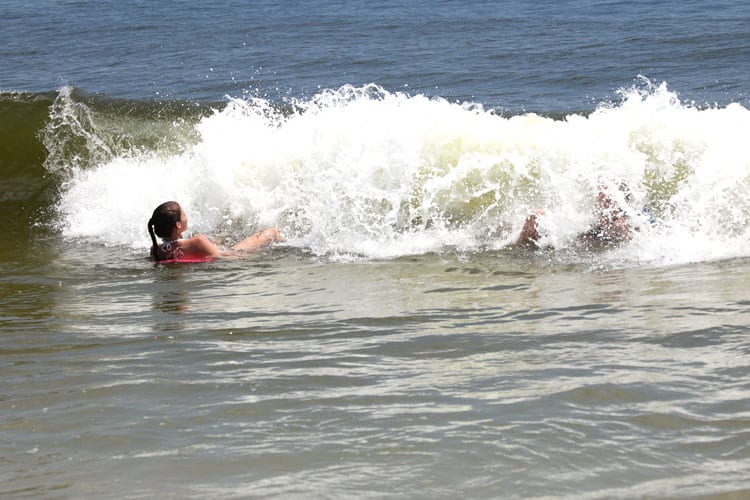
x=365 y=172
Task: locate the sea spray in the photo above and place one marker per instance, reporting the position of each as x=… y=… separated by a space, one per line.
x=362 y=172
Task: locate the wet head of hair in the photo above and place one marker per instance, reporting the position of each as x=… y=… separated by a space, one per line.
x=165 y=217
x=162 y=222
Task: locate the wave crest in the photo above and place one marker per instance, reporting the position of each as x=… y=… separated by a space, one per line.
x=369 y=172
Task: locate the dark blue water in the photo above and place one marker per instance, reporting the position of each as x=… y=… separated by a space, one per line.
x=543 y=56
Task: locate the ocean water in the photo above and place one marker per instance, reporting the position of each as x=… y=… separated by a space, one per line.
x=396 y=344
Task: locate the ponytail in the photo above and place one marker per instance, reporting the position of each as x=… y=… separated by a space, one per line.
x=154 y=248
x=161 y=224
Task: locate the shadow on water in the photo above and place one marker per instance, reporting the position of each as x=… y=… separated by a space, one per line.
x=173 y=289
x=170 y=296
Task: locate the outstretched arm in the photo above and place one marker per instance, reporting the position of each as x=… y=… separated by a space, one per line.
x=258 y=240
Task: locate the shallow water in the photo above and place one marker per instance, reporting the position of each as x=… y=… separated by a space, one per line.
x=491 y=375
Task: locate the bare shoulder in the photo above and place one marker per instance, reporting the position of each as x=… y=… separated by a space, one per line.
x=199 y=245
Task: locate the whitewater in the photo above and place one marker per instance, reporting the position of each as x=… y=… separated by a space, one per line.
x=365 y=173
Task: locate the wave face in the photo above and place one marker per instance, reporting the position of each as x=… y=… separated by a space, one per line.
x=362 y=172
x=21 y=153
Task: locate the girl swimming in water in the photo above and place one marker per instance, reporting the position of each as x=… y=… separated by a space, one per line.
x=611 y=225
x=169 y=221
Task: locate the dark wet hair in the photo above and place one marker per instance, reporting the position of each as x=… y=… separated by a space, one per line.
x=162 y=223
